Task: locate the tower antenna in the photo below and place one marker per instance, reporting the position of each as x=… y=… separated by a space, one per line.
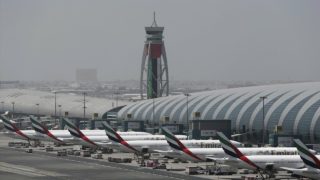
x=154 y=23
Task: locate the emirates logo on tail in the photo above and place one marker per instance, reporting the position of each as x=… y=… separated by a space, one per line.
x=176 y=144
x=11 y=127
x=233 y=151
x=74 y=131
x=114 y=136
x=306 y=155
x=37 y=126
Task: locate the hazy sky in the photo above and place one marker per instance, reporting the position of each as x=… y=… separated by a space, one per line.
x=205 y=39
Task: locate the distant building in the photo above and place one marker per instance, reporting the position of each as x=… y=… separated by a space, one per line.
x=9 y=84
x=86 y=75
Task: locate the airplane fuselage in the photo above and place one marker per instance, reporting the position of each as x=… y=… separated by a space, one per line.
x=207 y=153
x=262 y=161
x=162 y=145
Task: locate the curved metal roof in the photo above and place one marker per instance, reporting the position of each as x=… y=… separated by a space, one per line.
x=295 y=107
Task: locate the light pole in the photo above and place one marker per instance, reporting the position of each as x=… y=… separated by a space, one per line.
x=2 y=106
x=263 y=129
x=84 y=105
x=117 y=96
x=59 y=112
x=38 y=110
x=153 y=120
x=12 y=109
x=187 y=95
x=55 y=105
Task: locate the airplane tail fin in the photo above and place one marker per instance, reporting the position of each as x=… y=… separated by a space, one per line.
x=111 y=133
x=228 y=147
x=74 y=131
x=114 y=136
x=306 y=155
x=232 y=150
x=172 y=140
x=37 y=126
x=10 y=126
x=176 y=144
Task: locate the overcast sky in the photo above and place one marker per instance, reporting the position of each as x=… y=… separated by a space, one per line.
x=205 y=39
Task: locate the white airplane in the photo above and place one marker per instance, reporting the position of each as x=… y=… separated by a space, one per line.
x=256 y=162
x=179 y=150
x=43 y=134
x=104 y=141
x=58 y=136
x=98 y=132
x=311 y=161
x=14 y=132
x=146 y=146
x=40 y=133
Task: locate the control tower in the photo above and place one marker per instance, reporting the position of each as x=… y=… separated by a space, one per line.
x=154 y=79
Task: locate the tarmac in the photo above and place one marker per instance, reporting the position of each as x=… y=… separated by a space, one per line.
x=17 y=164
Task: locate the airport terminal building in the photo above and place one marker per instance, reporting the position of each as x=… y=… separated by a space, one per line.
x=295 y=108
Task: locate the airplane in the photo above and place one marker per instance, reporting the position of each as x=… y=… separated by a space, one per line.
x=206 y=154
x=64 y=136
x=147 y=146
x=79 y=135
x=56 y=135
x=104 y=141
x=15 y=132
x=43 y=134
x=311 y=161
x=260 y=163
x=98 y=132
x=40 y=133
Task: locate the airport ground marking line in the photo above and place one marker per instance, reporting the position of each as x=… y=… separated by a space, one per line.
x=27 y=171
x=20 y=172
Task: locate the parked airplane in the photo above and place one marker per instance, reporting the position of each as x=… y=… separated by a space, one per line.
x=205 y=154
x=44 y=134
x=312 y=162
x=98 y=132
x=256 y=162
x=60 y=136
x=104 y=141
x=146 y=146
x=14 y=132
x=77 y=133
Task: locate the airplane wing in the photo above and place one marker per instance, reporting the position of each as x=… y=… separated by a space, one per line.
x=162 y=151
x=293 y=169
x=305 y=172
x=218 y=160
x=167 y=152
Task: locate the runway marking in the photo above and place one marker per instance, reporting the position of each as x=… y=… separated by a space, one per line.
x=26 y=171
